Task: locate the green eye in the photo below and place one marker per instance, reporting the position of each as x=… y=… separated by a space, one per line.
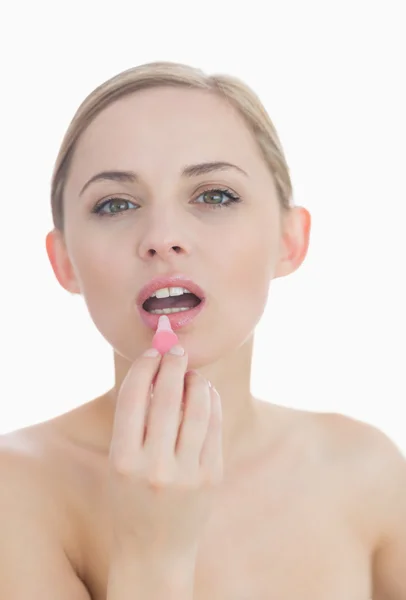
x=213 y=198
x=112 y=206
x=217 y=198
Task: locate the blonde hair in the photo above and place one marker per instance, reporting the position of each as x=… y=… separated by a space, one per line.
x=159 y=74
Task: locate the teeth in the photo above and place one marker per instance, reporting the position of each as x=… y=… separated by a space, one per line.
x=172 y=291
x=167 y=311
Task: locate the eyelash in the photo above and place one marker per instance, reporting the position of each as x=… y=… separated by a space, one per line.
x=232 y=199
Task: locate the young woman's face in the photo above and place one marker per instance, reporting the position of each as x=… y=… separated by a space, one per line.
x=165 y=222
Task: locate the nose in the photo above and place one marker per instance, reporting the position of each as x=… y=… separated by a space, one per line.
x=165 y=237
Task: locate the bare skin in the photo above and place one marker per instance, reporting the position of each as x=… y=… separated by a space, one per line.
x=298 y=515
x=312 y=506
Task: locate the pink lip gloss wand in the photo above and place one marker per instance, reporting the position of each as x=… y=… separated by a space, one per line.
x=164 y=337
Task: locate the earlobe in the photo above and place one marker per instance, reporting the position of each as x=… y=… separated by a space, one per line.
x=60 y=262
x=295 y=241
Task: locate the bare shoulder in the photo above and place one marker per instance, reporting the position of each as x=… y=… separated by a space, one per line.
x=28 y=464
x=362 y=444
x=370 y=466
x=37 y=549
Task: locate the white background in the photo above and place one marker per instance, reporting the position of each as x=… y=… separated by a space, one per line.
x=332 y=77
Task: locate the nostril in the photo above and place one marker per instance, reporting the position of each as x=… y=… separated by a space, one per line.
x=176 y=249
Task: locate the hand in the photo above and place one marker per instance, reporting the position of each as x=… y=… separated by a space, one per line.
x=164 y=466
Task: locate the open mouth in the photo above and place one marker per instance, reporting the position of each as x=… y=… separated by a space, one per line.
x=171 y=300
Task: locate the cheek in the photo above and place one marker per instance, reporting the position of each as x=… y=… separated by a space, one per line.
x=101 y=273
x=241 y=272
x=247 y=264
x=108 y=285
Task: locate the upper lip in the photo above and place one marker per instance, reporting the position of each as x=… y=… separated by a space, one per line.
x=165 y=282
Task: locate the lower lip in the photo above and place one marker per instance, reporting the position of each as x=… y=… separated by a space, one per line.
x=177 y=320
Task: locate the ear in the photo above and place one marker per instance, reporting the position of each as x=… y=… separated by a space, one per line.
x=60 y=261
x=296 y=224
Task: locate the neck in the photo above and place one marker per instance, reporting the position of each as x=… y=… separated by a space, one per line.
x=231 y=376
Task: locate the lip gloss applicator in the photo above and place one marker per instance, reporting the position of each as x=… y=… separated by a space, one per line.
x=165 y=338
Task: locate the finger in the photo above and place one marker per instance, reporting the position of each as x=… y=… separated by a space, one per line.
x=164 y=409
x=196 y=415
x=130 y=414
x=211 y=457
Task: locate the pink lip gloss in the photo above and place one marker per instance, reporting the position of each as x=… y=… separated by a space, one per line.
x=164 y=337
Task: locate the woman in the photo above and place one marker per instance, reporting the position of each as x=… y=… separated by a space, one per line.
x=171 y=190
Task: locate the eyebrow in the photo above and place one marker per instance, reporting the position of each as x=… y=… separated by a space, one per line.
x=188 y=171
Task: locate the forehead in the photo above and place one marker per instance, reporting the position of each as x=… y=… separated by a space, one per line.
x=166 y=127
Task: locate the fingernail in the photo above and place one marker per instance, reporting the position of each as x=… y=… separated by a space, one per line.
x=177 y=350
x=151 y=352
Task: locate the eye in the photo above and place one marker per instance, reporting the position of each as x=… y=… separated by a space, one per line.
x=218 y=198
x=213 y=198
x=112 y=206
